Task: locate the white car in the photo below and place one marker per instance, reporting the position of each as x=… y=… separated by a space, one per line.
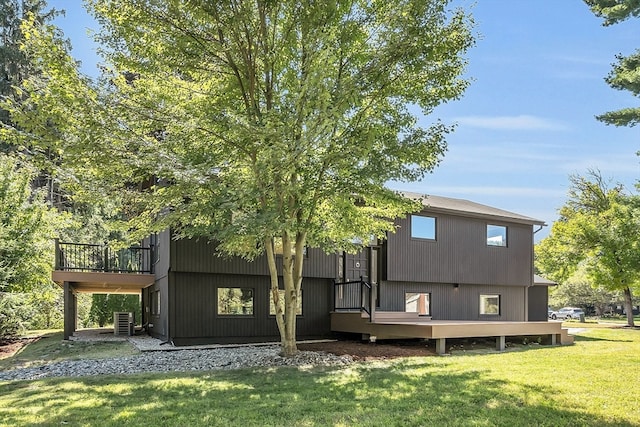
x=567 y=313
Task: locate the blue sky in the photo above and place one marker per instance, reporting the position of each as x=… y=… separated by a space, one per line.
x=527 y=121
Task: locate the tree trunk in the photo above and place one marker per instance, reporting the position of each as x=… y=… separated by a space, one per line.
x=628 y=306
x=289 y=347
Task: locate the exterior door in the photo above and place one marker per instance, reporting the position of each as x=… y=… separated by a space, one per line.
x=356 y=265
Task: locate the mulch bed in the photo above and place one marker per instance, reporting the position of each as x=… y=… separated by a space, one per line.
x=10 y=346
x=360 y=350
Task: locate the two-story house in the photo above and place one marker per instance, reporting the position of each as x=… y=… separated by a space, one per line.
x=456 y=262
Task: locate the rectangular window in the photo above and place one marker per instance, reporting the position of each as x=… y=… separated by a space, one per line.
x=235 y=301
x=155 y=302
x=415 y=302
x=423 y=227
x=490 y=304
x=496 y=235
x=278 y=249
x=272 y=307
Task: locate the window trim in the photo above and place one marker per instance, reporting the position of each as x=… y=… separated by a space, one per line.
x=506 y=236
x=155 y=305
x=484 y=297
x=244 y=315
x=424 y=239
x=428 y=305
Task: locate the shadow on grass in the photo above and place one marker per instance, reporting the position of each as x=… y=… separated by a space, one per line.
x=578 y=337
x=407 y=393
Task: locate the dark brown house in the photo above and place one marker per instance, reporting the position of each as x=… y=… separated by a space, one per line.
x=455 y=269
x=455 y=260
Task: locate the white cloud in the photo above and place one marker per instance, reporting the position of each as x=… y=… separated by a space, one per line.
x=521 y=122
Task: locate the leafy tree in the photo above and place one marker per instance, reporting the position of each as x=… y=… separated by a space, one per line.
x=626 y=73
x=14 y=65
x=104 y=305
x=578 y=291
x=257 y=124
x=597 y=230
x=14 y=313
x=26 y=230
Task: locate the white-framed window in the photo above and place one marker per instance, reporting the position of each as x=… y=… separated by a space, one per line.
x=490 y=305
x=417 y=302
x=235 y=301
x=272 y=307
x=496 y=235
x=423 y=227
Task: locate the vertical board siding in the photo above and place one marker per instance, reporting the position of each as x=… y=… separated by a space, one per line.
x=162 y=251
x=538 y=302
x=196 y=315
x=159 y=321
x=199 y=256
x=461 y=303
x=460 y=254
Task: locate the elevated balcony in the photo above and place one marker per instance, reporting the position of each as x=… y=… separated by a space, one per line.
x=99 y=269
x=102 y=269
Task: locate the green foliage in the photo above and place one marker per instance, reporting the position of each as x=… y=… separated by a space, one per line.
x=14 y=64
x=614 y=11
x=254 y=123
x=26 y=229
x=14 y=313
x=625 y=75
x=579 y=291
x=104 y=305
x=597 y=231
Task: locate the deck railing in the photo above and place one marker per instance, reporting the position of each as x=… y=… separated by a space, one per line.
x=354 y=295
x=102 y=258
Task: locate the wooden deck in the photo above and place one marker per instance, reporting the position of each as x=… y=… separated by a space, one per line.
x=99 y=282
x=393 y=325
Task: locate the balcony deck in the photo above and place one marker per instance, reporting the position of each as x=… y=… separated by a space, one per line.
x=101 y=269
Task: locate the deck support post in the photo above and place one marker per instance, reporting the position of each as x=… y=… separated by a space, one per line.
x=441 y=347
x=70 y=310
x=554 y=339
x=500 y=343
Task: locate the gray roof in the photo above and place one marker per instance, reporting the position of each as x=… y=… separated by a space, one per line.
x=468 y=208
x=541 y=281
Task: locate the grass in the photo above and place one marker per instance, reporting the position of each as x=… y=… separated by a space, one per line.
x=588 y=384
x=52 y=348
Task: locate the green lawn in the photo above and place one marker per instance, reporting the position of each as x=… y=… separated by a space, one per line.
x=591 y=383
x=51 y=348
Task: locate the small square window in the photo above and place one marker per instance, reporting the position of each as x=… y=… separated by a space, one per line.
x=416 y=302
x=235 y=301
x=272 y=307
x=490 y=304
x=496 y=235
x=423 y=227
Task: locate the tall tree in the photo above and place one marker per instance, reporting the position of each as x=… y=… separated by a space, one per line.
x=14 y=64
x=626 y=73
x=26 y=230
x=264 y=125
x=597 y=230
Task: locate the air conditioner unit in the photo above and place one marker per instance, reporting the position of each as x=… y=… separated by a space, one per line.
x=123 y=323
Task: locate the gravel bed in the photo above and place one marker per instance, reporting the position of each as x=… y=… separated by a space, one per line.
x=178 y=361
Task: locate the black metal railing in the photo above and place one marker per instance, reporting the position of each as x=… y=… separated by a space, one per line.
x=92 y=258
x=354 y=295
